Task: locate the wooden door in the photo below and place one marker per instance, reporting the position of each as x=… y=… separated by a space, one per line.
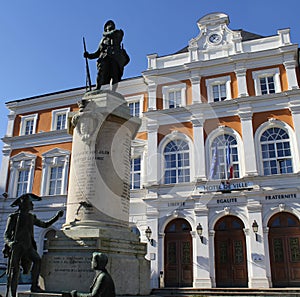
x=230 y=253
x=178 y=254
x=284 y=246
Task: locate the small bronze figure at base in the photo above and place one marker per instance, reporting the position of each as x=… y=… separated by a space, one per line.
x=102 y=285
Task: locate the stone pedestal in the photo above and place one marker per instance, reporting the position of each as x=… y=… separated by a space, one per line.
x=97 y=216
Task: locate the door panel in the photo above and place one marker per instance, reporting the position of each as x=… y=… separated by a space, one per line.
x=178 y=254
x=284 y=239
x=230 y=251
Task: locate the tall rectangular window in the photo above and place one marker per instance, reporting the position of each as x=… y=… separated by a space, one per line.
x=219 y=92
x=29 y=127
x=267 y=81
x=267 y=85
x=174 y=98
x=28 y=124
x=22 y=183
x=55 y=180
x=174 y=95
x=135 y=173
x=218 y=89
x=134 y=108
x=61 y=121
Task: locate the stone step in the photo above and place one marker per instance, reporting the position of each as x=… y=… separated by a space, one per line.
x=245 y=292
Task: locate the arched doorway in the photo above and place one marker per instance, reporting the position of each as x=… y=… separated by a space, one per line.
x=178 y=254
x=230 y=253
x=284 y=246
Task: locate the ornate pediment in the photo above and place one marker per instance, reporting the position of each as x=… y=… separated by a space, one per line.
x=215 y=39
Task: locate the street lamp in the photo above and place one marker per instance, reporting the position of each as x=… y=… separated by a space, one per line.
x=199 y=230
x=255 y=229
x=148 y=234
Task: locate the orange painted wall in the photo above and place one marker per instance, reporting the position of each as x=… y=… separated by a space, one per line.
x=159 y=95
x=43 y=122
x=142 y=135
x=283 y=115
x=250 y=82
x=231 y=122
x=185 y=128
x=233 y=85
x=38 y=151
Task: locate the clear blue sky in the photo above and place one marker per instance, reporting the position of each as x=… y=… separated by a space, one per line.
x=41 y=41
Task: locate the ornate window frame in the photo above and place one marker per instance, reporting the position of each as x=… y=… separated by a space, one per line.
x=19 y=162
x=256 y=75
x=28 y=118
x=221 y=130
x=55 y=114
x=211 y=82
x=167 y=90
x=138 y=151
x=292 y=137
x=175 y=135
x=53 y=158
x=135 y=99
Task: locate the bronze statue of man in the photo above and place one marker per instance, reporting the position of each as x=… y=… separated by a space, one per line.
x=20 y=246
x=103 y=284
x=112 y=57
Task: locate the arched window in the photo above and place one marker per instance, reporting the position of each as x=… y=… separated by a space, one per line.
x=276 y=151
x=177 y=162
x=224 y=158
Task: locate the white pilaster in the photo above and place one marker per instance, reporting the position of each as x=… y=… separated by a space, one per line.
x=295 y=110
x=290 y=67
x=256 y=258
x=152 y=158
x=242 y=82
x=4 y=168
x=200 y=165
x=153 y=246
x=201 y=250
x=10 y=124
x=196 y=91
x=245 y=114
x=151 y=95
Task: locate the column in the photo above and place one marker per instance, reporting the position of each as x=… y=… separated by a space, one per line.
x=211 y=242
x=199 y=153
x=152 y=158
x=151 y=93
x=290 y=67
x=255 y=244
x=201 y=250
x=153 y=247
x=245 y=114
x=196 y=91
x=10 y=124
x=242 y=82
x=295 y=110
x=4 y=168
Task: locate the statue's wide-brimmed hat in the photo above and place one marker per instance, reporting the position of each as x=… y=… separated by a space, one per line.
x=30 y=196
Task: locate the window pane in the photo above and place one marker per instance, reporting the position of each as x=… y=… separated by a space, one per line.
x=176 y=154
x=22 y=182
x=55 y=180
x=276 y=153
x=29 y=127
x=135 y=173
x=61 y=121
x=224 y=163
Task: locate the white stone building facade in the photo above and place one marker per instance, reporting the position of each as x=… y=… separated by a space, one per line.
x=215 y=165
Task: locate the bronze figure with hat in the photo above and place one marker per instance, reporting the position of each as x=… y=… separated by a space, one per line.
x=20 y=246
